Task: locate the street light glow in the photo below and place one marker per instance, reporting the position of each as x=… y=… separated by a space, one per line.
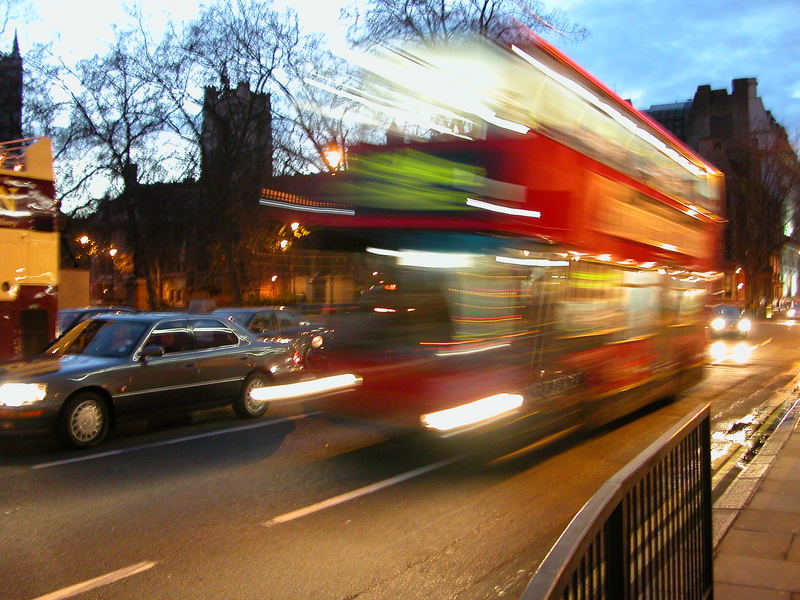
x=333 y=158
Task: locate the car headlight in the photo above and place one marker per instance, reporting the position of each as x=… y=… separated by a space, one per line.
x=19 y=394
x=791 y=313
x=744 y=325
x=316 y=341
x=718 y=324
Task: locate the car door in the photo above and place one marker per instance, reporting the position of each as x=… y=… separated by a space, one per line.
x=222 y=358
x=163 y=383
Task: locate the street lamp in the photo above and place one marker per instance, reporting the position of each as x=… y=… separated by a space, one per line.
x=333 y=158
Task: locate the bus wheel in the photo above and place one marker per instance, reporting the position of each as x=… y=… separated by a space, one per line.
x=84 y=420
x=245 y=406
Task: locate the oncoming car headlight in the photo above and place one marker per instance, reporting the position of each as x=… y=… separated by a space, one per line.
x=744 y=325
x=19 y=394
x=718 y=324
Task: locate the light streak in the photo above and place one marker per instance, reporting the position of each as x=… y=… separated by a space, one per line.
x=436 y=260
x=532 y=262
x=317 y=209
x=506 y=210
x=472 y=412
x=305 y=388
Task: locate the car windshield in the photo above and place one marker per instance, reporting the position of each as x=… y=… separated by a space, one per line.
x=728 y=312
x=66 y=318
x=100 y=337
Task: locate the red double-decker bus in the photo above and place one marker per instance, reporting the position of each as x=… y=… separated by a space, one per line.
x=541 y=265
x=28 y=247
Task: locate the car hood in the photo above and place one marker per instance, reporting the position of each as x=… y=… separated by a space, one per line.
x=44 y=367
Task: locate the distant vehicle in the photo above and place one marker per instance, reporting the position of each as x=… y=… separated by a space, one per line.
x=117 y=366
x=70 y=317
x=728 y=320
x=792 y=310
x=279 y=324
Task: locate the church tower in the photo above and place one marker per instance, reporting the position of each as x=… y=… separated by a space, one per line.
x=11 y=94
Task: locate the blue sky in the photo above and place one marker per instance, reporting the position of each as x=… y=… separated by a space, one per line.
x=659 y=51
x=651 y=51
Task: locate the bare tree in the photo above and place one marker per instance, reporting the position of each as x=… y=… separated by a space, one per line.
x=764 y=207
x=237 y=78
x=435 y=20
x=117 y=114
x=7 y=10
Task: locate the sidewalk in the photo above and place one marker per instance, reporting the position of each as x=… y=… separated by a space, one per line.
x=757 y=523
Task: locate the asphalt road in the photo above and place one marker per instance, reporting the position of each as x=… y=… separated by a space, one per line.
x=296 y=506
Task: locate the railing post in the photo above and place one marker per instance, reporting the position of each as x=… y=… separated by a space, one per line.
x=707 y=533
x=617 y=555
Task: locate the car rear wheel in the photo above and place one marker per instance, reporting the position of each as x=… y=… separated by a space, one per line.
x=245 y=406
x=84 y=420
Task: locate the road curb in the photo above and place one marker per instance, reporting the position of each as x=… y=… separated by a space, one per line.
x=739 y=492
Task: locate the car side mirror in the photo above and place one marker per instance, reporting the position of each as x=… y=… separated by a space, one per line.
x=152 y=352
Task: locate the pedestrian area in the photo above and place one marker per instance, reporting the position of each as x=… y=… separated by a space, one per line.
x=757 y=523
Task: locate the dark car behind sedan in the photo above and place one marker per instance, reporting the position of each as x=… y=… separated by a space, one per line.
x=113 y=367
x=279 y=324
x=69 y=317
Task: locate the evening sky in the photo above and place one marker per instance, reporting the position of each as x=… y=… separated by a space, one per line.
x=649 y=51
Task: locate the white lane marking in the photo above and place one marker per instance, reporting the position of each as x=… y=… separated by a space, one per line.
x=179 y=440
x=764 y=343
x=91 y=584
x=362 y=491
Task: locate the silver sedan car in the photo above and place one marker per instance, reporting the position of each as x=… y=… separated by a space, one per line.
x=123 y=366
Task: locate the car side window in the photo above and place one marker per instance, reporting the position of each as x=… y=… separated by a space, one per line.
x=210 y=333
x=287 y=320
x=173 y=336
x=263 y=322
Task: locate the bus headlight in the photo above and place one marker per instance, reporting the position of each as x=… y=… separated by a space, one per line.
x=19 y=394
x=744 y=325
x=718 y=324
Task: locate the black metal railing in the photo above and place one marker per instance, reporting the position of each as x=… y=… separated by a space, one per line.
x=646 y=533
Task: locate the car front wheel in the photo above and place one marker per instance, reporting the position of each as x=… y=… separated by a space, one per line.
x=83 y=421
x=245 y=406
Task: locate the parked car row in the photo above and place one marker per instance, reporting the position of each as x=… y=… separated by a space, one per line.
x=117 y=364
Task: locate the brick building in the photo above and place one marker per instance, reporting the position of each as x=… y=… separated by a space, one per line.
x=734 y=131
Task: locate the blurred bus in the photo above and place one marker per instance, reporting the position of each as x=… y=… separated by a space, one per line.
x=28 y=247
x=541 y=264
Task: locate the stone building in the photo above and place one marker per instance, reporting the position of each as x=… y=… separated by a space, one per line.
x=734 y=132
x=237 y=125
x=11 y=94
